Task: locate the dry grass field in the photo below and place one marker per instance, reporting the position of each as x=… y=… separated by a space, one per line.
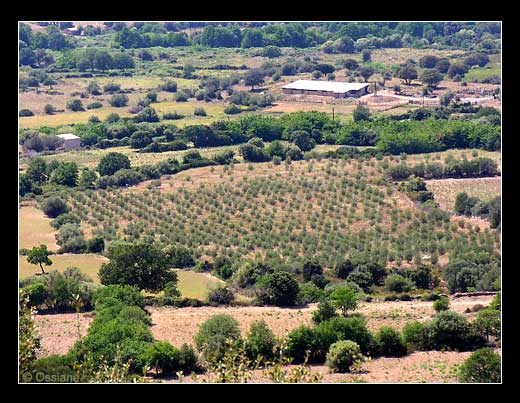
x=445 y=190
x=35 y=228
x=88 y=263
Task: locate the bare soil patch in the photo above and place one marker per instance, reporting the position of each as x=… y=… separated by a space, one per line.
x=58 y=332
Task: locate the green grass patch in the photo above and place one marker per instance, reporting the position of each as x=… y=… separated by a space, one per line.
x=196 y=285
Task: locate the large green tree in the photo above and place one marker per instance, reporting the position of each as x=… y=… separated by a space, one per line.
x=113 y=162
x=138 y=264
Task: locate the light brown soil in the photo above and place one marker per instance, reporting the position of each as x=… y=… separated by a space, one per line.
x=180 y=325
x=58 y=332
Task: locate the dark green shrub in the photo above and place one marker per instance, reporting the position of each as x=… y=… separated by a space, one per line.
x=483 y=366
x=442 y=304
x=199 y=112
x=300 y=341
x=54 y=206
x=353 y=328
x=96 y=244
x=214 y=334
x=75 y=105
x=326 y=310
x=451 y=330
x=95 y=105
x=279 y=288
x=232 y=109
x=52 y=369
x=25 y=112
x=64 y=219
x=413 y=335
x=389 y=342
x=37 y=294
x=398 y=283
x=221 y=296
x=118 y=100
x=114 y=294
x=343 y=355
x=309 y=293
x=188 y=361
x=343 y=269
x=260 y=341
x=162 y=356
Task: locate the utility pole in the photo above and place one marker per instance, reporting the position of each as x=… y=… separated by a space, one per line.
x=333 y=112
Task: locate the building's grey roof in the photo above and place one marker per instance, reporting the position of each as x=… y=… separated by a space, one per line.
x=68 y=136
x=331 y=86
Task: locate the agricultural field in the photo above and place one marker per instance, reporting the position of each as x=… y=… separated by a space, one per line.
x=90 y=158
x=445 y=190
x=285 y=211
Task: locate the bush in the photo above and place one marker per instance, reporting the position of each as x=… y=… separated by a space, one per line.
x=49 y=109
x=188 y=361
x=343 y=355
x=300 y=341
x=232 y=109
x=53 y=368
x=162 y=356
x=64 y=219
x=147 y=115
x=214 y=334
x=75 y=105
x=25 y=112
x=260 y=341
x=118 y=100
x=114 y=294
x=442 y=304
x=450 y=330
x=353 y=328
x=172 y=116
x=482 y=366
x=398 y=283
x=221 y=296
x=389 y=342
x=54 y=206
x=169 y=86
x=326 y=310
x=200 y=112
x=37 y=294
x=309 y=293
x=113 y=162
x=96 y=244
x=413 y=335
x=95 y=105
x=279 y=289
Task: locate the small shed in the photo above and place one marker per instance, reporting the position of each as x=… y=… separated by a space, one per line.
x=326 y=88
x=70 y=141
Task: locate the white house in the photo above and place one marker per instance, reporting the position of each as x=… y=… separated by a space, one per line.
x=335 y=89
x=70 y=141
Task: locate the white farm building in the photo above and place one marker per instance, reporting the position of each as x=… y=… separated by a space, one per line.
x=70 y=141
x=326 y=88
